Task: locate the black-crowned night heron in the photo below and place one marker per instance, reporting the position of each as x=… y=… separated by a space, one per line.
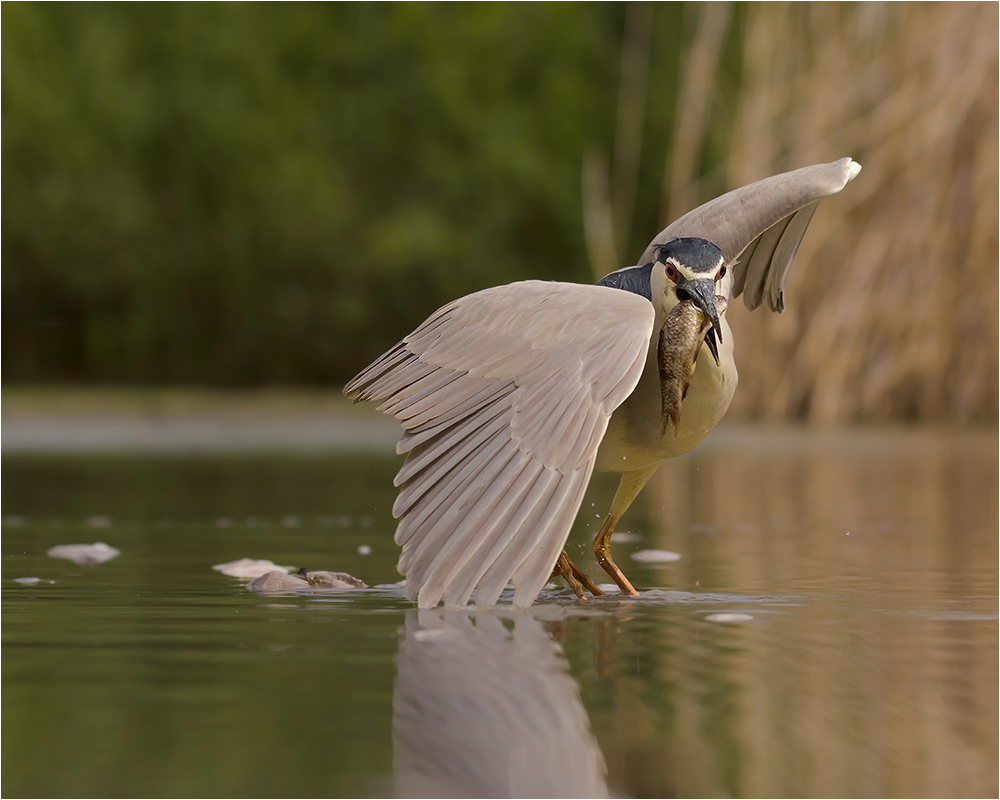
x=509 y=397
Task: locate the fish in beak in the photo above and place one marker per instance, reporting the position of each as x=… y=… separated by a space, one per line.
x=702 y=293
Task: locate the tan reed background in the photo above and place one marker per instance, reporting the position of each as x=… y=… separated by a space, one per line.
x=892 y=307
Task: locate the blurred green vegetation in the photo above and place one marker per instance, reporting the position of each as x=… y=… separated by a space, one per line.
x=244 y=194
x=272 y=195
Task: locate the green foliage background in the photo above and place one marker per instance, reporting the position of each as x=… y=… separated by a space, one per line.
x=242 y=194
x=256 y=195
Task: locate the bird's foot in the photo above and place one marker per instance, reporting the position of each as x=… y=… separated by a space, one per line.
x=576 y=579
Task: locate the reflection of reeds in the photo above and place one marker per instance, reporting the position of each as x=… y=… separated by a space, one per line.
x=892 y=310
x=884 y=680
x=870 y=665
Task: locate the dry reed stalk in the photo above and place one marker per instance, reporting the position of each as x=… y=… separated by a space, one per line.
x=893 y=304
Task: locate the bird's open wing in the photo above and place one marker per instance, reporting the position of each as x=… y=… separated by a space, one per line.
x=762 y=225
x=504 y=397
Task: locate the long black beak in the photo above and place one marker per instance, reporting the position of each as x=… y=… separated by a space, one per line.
x=702 y=292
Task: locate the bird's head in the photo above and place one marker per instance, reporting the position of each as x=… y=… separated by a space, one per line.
x=692 y=268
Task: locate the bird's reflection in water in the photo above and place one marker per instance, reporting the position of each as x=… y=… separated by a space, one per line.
x=480 y=710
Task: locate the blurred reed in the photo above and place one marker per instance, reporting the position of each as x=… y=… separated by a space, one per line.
x=892 y=307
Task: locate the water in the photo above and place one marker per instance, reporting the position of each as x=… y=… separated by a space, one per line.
x=830 y=629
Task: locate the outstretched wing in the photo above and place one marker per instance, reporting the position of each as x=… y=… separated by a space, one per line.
x=762 y=224
x=504 y=397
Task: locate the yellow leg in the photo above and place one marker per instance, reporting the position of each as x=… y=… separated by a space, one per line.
x=574 y=577
x=602 y=551
x=631 y=484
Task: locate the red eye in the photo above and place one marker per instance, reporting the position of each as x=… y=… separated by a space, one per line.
x=721 y=273
x=671 y=271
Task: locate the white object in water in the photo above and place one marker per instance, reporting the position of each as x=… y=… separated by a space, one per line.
x=728 y=617
x=96 y=553
x=250 y=568
x=655 y=556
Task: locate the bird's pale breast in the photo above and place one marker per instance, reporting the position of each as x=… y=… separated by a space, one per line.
x=633 y=440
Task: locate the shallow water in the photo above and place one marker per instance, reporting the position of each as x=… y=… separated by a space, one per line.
x=830 y=629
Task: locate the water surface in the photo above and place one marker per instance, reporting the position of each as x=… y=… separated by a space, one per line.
x=830 y=629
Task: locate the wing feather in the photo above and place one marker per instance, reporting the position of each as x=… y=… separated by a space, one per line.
x=534 y=485
x=442 y=415
x=784 y=252
x=427 y=541
x=758 y=268
x=413 y=400
x=541 y=423
x=450 y=446
x=504 y=397
x=479 y=531
x=462 y=523
x=438 y=492
x=483 y=445
x=527 y=577
x=538 y=516
x=394 y=381
x=742 y=223
x=376 y=369
x=570 y=430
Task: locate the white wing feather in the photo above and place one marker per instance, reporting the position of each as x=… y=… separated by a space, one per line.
x=504 y=397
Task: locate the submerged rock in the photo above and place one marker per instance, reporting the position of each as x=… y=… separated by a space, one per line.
x=283 y=582
x=96 y=553
x=334 y=580
x=250 y=568
x=277 y=582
